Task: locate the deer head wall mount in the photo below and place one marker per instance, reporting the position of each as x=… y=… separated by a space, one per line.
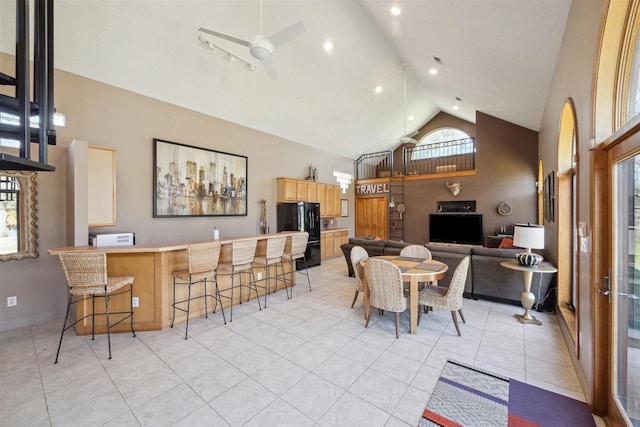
x=454 y=187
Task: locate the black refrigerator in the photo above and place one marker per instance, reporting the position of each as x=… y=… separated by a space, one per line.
x=302 y=216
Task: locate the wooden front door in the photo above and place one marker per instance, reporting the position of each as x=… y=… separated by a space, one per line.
x=371 y=216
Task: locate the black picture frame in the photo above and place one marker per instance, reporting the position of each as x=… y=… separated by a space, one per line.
x=191 y=181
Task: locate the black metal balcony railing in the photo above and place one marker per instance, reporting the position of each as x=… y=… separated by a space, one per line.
x=436 y=158
x=374 y=165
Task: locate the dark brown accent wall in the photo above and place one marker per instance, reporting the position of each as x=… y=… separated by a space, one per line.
x=506 y=171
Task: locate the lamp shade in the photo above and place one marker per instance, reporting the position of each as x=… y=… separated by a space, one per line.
x=530 y=236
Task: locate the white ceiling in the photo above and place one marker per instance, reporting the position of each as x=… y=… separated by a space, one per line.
x=498 y=56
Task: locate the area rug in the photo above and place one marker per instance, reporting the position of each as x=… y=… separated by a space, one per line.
x=472 y=397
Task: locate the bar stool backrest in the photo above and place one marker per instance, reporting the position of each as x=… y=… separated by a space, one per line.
x=299 y=244
x=203 y=257
x=275 y=247
x=85 y=270
x=243 y=251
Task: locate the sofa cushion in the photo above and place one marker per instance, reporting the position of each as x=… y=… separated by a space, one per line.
x=396 y=244
x=497 y=252
x=364 y=242
x=449 y=247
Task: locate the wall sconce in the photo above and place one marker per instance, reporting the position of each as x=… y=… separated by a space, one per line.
x=392 y=203
x=344 y=179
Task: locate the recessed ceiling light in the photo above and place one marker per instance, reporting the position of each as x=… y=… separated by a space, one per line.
x=455 y=107
x=395 y=10
x=328 y=46
x=433 y=71
x=378 y=89
x=410 y=118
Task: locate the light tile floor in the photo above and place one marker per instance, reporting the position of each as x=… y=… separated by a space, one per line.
x=308 y=361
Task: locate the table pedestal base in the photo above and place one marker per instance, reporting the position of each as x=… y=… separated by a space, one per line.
x=527 y=319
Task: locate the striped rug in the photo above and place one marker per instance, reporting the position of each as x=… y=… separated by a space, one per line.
x=472 y=397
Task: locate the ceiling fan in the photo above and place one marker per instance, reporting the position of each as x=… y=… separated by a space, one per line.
x=262 y=47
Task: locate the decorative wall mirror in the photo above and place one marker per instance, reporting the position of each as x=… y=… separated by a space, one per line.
x=18 y=215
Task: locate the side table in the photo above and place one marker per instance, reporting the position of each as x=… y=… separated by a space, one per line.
x=527 y=298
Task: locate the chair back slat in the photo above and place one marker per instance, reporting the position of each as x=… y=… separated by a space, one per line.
x=385 y=283
x=416 y=251
x=358 y=253
x=84 y=269
x=203 y=257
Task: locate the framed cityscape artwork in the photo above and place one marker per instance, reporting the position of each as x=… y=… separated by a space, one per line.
x=193 y=181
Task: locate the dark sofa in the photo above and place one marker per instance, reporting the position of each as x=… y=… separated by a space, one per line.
x=487 y=279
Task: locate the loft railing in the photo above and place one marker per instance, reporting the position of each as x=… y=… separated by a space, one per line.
x=436 y=158
x=374 y=165
x=440 y=157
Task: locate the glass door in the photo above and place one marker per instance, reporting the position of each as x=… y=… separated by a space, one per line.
x=625 y=287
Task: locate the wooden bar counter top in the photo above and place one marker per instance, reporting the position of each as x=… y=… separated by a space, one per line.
x=152 y=268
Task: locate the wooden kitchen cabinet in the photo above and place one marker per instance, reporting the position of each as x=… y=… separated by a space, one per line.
x=330 y=242
x=300 y=190
x=312 y=192
x=322 y=190
x=337 y=194
x=287 y=190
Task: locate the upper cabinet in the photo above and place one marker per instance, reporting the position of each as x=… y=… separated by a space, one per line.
x=300 y=190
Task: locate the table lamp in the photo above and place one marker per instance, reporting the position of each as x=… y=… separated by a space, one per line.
x=528 y=236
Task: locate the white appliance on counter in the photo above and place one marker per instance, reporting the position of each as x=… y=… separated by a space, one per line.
x=112 y=239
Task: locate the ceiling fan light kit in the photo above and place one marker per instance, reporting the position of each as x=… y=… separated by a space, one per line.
x=262 y=47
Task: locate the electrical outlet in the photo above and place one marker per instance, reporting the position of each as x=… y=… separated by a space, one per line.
x=12 y=301
x=259 y=275
x=135 y=302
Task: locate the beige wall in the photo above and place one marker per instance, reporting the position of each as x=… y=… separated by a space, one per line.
x=104 y=115
x=573 y=79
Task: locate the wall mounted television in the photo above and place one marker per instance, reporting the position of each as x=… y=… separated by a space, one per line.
x=456 y=228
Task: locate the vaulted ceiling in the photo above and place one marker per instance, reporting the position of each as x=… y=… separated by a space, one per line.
x=497 y=56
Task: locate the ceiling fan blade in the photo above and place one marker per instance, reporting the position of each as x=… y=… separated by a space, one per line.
x=269 y=68
x=225 y=36
x=285 y=35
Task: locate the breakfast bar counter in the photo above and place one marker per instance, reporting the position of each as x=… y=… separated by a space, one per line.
x=152 y=268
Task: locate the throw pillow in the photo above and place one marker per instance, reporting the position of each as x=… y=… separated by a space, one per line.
x=506 y=243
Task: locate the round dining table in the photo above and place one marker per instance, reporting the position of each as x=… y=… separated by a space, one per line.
x=414 y=271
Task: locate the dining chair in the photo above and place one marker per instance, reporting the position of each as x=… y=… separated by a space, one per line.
x=86 y=274
x=447 y=298
x=203 y=264
x=384 y=280
x=358 y=253
x=416 y=251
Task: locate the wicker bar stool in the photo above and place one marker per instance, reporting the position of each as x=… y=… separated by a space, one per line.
x=243 y=252
x=275 y=250
x=203 y=262
x=296 y=251
x=86 y=274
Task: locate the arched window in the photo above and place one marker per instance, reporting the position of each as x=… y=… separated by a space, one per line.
x=443 y=142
